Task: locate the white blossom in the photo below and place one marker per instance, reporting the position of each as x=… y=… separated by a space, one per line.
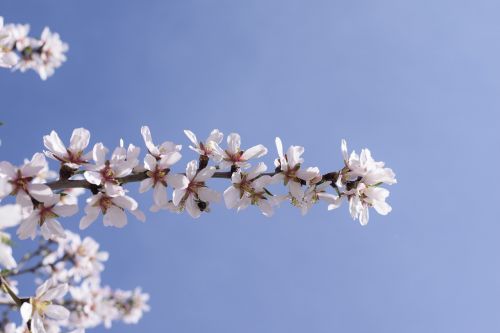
x=190 y=191
x=234 y=155
x=158 y=150
x=207 y=147
x=42 y=306
x=249 y=188
x=45 y=215
x=159 y=176
x=10 y=216
x=113 y=209
x=73 y=155
x=291 y=172
x=51 y=54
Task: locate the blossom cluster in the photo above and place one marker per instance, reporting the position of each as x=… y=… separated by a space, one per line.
x=71 y=297
x=42 y=197
x=20 y=51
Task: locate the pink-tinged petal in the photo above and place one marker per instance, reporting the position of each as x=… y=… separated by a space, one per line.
x=215 y=136
x=231 y=197
x=256 y=170
x=125 y=202
x=65 y=210
x=308 y=174
x=5 y=187
x=345 y=154
x=148 y=141
x=254 y=152
x=278 y=178
x=354 y=206
x=10 y=215
x=99 y=154
x=265 y=207
x=145 y=185
x=294 y=154
x=364 y=215
x=6 y=258
x=32 y=168
x=150 y=162
x=382 y=207
x=87 y=220
x=37 y=324
x=169 y=159
x=160 y=195
x=296 y=190
x=177 y=181
x=236 y=177
x=115 y=217
x=335 y=204
x=57 y=312
x=139 y=215
x=79 y=140
x=262 y=182
x=93 y=177
x=53 y=291
x=7 y=170
x=209 y=195
x=53 y=143
x=191 y=169
x=205 y=174
x=191 y=137
x=113 y=189
x=177 y=196
x=279 y=148
x=233 y=143
x=26 y=311
x=52 y=229
x=40 y=192
x=27 y=229
x=192 y=208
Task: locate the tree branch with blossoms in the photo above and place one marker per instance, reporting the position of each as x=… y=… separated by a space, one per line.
x=20 y=51
x=43 y=197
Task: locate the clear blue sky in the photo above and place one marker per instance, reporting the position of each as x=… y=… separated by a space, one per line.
x=418 y=82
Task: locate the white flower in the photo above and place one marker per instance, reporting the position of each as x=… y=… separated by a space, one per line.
x=51 y=53
x=191 y=193
x=249 y=189
x=18 y=181
x=41 y=306
x=159 y=176
x=360 y=179
x=234 y=156
x=132 y=304
x=44 y=215
x=157 y=151
x=106 y=172
x=8 y=57
x=113 y=209
x=291 y=173
x=73 y=156
x=10 y=216
x=206 y=147
x=315 y=193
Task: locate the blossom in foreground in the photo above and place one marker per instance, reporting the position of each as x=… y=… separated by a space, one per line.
x=190 y=191
x=10 y=216
x=291 y=174
x=41 y=306
x=113 y=209
x=362 y=177
x=159 y=176
x=18 y=181
x=249 y=188
x=106 y=172
x=207 y=147
x=158 y=150
x=44 y=215
x=73 y=155
x=316 y=193
x=233 y=156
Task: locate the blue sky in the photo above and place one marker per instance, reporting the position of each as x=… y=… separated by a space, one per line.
x=417 y=82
